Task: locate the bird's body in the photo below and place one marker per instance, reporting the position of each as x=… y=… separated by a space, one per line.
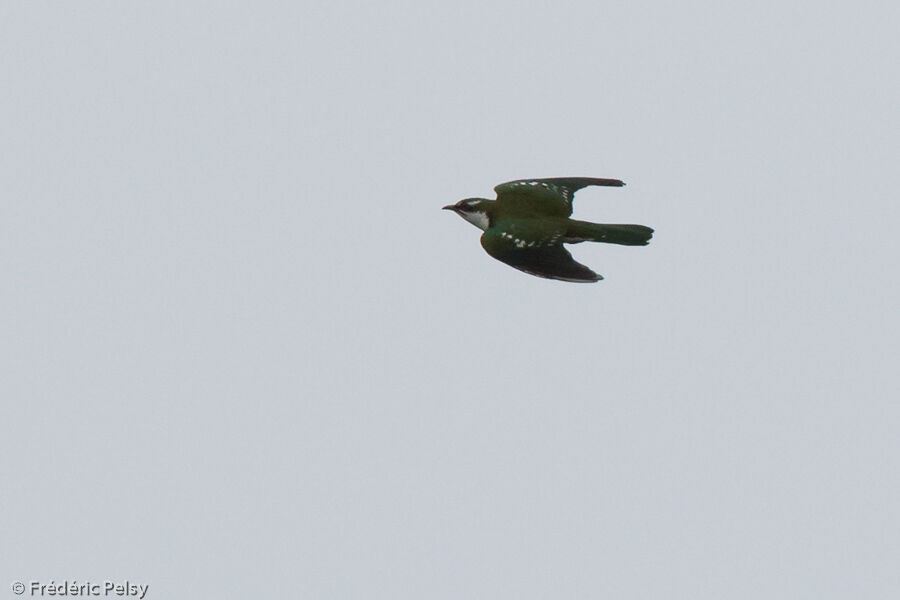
x=528 y=223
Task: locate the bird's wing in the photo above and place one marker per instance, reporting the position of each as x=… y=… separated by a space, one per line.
x=544 y=197
x=550 y=261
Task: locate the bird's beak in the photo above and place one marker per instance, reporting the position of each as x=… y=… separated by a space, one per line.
x=449 y=207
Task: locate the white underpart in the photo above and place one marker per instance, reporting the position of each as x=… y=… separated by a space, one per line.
x=476 y=218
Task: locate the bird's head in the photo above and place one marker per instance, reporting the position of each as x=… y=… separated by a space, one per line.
x=474 y=210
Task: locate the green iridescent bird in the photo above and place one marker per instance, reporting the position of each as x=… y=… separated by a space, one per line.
x=528 y=223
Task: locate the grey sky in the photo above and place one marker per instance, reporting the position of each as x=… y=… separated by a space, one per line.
x=245 y=354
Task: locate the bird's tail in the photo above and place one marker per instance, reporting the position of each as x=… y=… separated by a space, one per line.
x=626 y=235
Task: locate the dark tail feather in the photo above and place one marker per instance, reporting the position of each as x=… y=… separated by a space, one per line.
x=626 y=235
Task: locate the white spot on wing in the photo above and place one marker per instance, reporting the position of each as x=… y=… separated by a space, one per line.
x=563 y=192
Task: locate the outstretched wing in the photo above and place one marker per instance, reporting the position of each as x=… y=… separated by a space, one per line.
x=543 y=197
x=550 y=261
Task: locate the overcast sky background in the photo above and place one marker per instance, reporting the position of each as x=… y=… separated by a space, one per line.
x=245 y=354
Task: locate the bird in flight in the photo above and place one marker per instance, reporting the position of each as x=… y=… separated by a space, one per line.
x=528 y=223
